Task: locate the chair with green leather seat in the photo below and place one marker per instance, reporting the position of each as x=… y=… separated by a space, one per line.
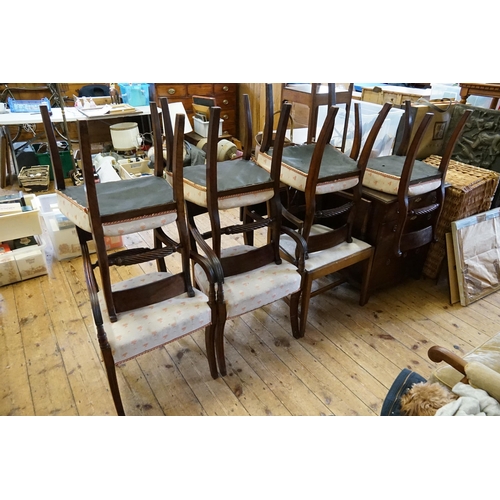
x=135 y=315
x=254 y=275
x=313 y=173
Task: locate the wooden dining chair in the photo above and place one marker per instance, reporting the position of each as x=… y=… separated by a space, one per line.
x=313 y=172
x=116 y=209
x=419 y=187
x=136 y=315
x=254 y=275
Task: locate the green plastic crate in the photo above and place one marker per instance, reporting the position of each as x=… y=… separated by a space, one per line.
x=43 y=158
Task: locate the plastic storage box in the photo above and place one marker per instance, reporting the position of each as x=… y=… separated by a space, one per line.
x=23 y=106
x=62 y=232
x=445 y=91
x=201 y=127
x=135 y=94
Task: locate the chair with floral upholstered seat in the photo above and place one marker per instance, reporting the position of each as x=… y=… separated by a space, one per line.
x=254 y=275
x=313 y=173
x=135 y=315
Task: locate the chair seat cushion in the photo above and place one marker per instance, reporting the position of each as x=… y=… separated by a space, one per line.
x=249 y=291
x=323 y=258
x=231 y=176
x=119 y=196
x=147 y=328
x=295 y=168
x=384 y=173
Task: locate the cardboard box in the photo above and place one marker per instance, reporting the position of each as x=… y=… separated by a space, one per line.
x=9 y=273
x=64 y=240
x=27 y=261
x=23 y=263
x=31 y=261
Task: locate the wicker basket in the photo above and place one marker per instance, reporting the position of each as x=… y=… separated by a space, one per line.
x=470 y=191
x=35 y=178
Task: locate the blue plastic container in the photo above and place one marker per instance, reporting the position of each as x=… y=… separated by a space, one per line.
x=22 y=106
x=135 y=94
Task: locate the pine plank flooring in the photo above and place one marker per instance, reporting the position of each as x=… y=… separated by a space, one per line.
x=50 y=361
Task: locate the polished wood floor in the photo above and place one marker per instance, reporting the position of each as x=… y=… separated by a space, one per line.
x=50 y=362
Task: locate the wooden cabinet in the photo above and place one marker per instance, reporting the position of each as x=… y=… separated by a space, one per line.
x=226 y=97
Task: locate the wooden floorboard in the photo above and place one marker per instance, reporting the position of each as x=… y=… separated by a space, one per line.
x=50 y=361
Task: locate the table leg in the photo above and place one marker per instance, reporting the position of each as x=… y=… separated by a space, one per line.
x=3 y=158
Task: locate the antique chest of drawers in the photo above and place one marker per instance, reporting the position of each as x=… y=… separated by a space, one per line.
x=225 y=94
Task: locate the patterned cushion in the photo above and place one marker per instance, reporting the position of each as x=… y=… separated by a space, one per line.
x=232 y=174
x=147 y=191
x=383 y=174
x=249 y=291
x=295 y=167
x=322 y=258
x=149 y=327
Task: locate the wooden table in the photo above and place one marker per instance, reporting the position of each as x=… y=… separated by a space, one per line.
x=482 y=89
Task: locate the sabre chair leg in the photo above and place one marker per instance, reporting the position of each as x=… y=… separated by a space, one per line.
x=305 y=298
x=109 y=363
x=219 y=340
x=294 y=302
x=210 y=347
x=365 y=283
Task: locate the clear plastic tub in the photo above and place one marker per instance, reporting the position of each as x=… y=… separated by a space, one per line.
x=445 y=91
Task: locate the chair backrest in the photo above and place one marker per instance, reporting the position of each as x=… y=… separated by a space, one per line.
x=346 y=211
x=159 y=163
x=247 y=131
x=169 y=134
x=331 y=98
x=269 y=252
x=345 y=97
x=410 y=235
x=407 y=120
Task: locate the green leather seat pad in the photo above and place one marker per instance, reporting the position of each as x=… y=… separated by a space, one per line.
x=122 y=196
x=393 y=165
x=231 y=174
x=333 y=162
